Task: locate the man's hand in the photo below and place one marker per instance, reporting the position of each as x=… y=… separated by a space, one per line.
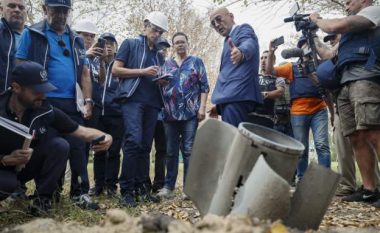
x=236 y=54
x=201 y=114
x=272 y=48
x=95 y=52
x=213 y=113
x=150 y=71
x=87 y=111
x=18 y=157
x=314 y=17
x=103 y=145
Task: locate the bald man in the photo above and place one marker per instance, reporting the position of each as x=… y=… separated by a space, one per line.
x=11 y=27
x=237 y=90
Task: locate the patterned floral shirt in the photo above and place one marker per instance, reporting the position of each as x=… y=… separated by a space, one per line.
x=182 y=96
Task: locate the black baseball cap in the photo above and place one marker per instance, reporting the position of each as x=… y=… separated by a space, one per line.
x=162 y=43
x=33 y=75
x=57 y=3
x=109 y=36
x=329 y=36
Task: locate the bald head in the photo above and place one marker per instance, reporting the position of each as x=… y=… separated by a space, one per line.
x=14 y=12
x=222 y=20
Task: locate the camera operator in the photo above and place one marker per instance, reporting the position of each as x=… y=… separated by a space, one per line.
x=308 y=109
x=271 y=89
x=359 y=98
x=345 y=154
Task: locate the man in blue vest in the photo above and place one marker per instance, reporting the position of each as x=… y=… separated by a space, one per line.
x=308 y=109
x=358 y=62
x=106 y=168
x=137 y=63
x=11 y=27
x=61 y=51
x=237 y=88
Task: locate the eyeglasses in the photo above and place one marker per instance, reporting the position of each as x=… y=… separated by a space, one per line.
x=14 y=6
x=62 y=44
x=217 y=20
x=156 y=29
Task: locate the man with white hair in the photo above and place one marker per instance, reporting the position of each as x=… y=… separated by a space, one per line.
x=137 y=63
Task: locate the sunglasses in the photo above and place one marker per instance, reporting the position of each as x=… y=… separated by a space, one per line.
x=217 y=20
x=14 y=6
x=62 y=44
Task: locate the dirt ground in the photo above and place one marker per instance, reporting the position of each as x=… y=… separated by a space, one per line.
x=181 y=216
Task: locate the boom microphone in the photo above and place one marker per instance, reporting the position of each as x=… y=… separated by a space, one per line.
x=290 y=53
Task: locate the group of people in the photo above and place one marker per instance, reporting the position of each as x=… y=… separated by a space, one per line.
x=64 y=84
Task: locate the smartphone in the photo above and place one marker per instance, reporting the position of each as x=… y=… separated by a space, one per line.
x=98 y=139
x=166 y=77
x=101 y=43
x=278 y=41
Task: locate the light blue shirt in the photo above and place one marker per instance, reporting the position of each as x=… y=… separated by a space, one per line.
x=60 y=68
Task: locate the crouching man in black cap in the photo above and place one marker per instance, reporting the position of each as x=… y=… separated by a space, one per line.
x=46 y=160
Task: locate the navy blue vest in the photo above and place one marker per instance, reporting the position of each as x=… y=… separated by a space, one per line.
x=109 y=93
x=137 y=60
x=302 y=86
x=7 y=54
x=39 y=50
x=359 y=47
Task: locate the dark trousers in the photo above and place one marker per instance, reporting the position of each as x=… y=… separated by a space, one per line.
x=77 y=158
x=139 y=123
x=159 y=161
x=236 y=112
x=45 y=167
x=107 y=164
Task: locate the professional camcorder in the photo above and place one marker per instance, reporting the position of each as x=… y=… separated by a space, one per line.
x=301 y=21
x=308 y=28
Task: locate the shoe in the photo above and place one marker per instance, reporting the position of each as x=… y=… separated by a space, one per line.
x=165 y=193
x=148 y=197
x=128 y=199
x=111 y=192
x=363 y=195
x=41 y=206
x=84 y=201
x=185 y=197
x=95 y=191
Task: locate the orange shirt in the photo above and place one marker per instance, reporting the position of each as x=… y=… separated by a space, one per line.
x=303 y=105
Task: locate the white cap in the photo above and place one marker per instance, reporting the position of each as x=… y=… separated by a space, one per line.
x=86 y=26
x=158 y=19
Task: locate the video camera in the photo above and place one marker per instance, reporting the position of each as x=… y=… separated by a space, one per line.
x=303 y=23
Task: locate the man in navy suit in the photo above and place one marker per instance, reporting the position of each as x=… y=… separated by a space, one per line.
x=237 y=89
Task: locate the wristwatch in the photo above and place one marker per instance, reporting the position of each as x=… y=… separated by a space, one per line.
x=88 y=101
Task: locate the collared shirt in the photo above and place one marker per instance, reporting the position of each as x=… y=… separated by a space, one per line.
x=60 y=68
x=147 y=91
x=182 y=96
